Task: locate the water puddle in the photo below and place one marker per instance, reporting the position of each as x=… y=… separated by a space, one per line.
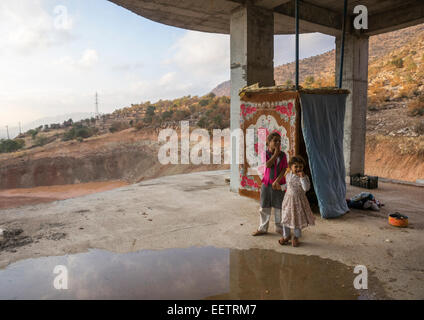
x=191 y=273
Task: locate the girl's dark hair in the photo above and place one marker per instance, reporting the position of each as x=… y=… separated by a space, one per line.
x=272 y=136
x=297 y=159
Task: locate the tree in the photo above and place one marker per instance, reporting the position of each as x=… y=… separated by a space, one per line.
x=309 y=80
x=203 y=122
x=204 y=102
x=167 y=115
x=68 y=123
x=151 y=110
x=218 y=121
x=33 y=133
x=7 y=146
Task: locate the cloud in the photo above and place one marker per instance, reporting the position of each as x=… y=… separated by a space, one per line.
x=202 y=57
x=311 y=44
x=167 y=86
x=26 y=26
x=197 y=63
x=125 y=67
x=168 y=79
x=88 y=60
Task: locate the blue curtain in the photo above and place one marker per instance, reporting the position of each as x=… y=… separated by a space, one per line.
x=322 y=127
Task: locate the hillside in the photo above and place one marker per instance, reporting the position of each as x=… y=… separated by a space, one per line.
x=92 y=149
x=323 y=66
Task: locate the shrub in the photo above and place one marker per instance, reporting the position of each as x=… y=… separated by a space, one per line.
x=69 y=135
x=150 y=112
x=181 y=115
x=33 y=133
x=409 y=90
x=397 y=62
x=410 y=64
x=139 y=125
x=79 y=132
x=68 y=123
x=7 y=146
x=416 y=107
x=166 y=115
x=203 y=122
x=218 y=121
x=148 y=120
x=82 y=133
x=118 y=126
x=226 y=100
x=41 y=141
x=419 y=127
x=309 y=80
x=204 y=102
x=379 y=97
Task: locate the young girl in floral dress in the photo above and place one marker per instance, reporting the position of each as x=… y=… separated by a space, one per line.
x=296 y=212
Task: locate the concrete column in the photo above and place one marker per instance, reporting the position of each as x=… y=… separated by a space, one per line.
x=355 y=79
x=252 y=61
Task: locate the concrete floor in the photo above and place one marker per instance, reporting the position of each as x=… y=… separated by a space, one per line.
x=198 y=210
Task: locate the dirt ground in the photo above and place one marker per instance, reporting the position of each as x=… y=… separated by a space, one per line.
x=197 y=209
x=14 y=198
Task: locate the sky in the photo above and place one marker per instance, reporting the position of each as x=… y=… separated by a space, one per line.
x=55 y=55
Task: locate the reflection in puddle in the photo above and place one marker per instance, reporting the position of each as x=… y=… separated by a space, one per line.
x=192 y=273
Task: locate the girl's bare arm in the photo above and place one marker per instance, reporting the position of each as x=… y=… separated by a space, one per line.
x=282 y=173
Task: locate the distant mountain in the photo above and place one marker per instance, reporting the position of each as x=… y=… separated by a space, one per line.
x=76 y=116
x=320 y=66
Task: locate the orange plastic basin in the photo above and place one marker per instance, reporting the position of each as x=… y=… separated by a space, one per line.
x=398 y=220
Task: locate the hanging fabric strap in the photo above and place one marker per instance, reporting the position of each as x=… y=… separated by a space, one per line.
x=343 y=44
x=296 y=14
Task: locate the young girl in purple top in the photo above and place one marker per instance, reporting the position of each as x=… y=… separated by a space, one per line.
x=271 y=189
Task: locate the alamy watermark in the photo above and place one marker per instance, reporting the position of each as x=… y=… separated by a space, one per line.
x=61 y=280
x=361 y=280
x=61 y=19
x=224 y=147
x=361 y=20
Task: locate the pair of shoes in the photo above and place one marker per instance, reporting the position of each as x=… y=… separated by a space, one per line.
x=283 y=241
x=259 y=233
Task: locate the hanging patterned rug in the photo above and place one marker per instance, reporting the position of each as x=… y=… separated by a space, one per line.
x=267 y=110
x=310 y=123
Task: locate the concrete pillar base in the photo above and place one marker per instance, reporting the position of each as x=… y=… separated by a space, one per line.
x=355 y=79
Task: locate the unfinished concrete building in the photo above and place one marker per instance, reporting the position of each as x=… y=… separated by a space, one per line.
x=252 y=25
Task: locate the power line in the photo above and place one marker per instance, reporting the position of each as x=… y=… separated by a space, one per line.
x=97 y=105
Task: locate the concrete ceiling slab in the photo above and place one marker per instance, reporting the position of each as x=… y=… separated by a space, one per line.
x=323 y=16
